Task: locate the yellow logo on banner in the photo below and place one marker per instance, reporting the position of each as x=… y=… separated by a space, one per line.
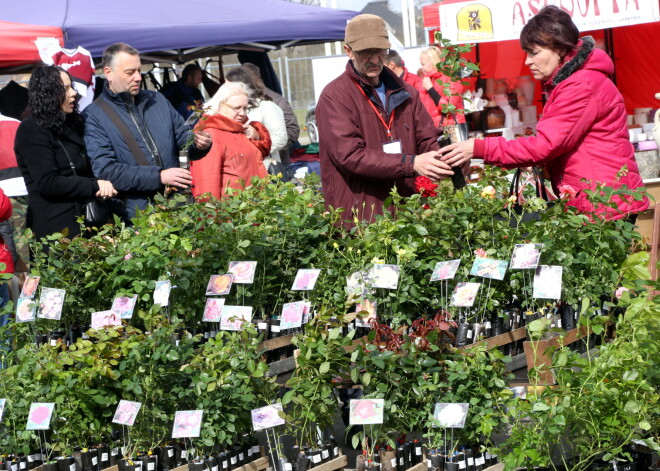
x=475 y=22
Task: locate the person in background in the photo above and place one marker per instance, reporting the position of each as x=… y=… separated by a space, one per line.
x=50 y=152
x=239 y=147
x=7 y=256
x=374 y=134
x=147 y=161
x=265 y=111
x=184 y=94
x=433 y=81
x=582 y=138
x=394 y=62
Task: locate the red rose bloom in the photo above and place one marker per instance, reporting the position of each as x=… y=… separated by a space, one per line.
x=425 y=186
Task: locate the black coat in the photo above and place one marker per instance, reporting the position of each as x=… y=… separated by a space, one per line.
x=55 y=194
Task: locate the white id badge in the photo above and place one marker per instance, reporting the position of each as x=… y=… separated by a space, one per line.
x=393 y=147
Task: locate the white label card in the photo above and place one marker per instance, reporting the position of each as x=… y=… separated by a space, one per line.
x=393 y=147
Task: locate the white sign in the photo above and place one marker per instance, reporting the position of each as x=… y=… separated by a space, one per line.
x=501 y=20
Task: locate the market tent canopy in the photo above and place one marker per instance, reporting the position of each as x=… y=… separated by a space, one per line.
x=17 y=42
x=180 y=31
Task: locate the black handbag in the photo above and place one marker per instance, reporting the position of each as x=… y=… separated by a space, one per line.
x=95 y=210
x=523 y=216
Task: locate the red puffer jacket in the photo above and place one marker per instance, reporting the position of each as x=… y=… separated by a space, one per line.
x=455 y=99
x=5 y=254
x=582 y=134
x=427 y=101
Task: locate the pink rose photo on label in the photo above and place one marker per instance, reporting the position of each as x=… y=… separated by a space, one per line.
x=162 y=293
x=26 y=310
x=267 y=417
x=126 y=412
x=445 y=270
x=50 y=303
x=213 y=309
x=526 y=256
x=124 y=306
x=219 y=285
x=464 y=294
x=243 y=271
x=366 y=411
x=30 y=287
x=306 y=279
x=292 y=315
x=234 y=317
x=40 y=415
x=187 y=423
x=103 y=319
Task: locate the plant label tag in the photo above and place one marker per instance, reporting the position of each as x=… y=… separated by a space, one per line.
x=464 y=294
x=50 y=303
x=393 y=147
x=316 y=458
x=187 y=423
x=461 y=464
x=233 y=460
x=469 y=334
x=292 y=315
x=526 y=256
x=151 y=466
x=393 y=463
x=104 y=457
x=162 y=294
x=219 y=285
x=487 y=325
x=401 y=462
x=489 y=268
x=40 y=415
x=213 y=309
x=241 y=457
x=115 y=451
x=14 y=467
x=385 y=276
x=95 y=460
x=124 y=306
x=267 y=417
x=234 y=317
x=336 y=451
x=225 y=464
x=288 y=467
x=481 y=461
x=450 y=414
x=547 y=282
x=366 y=411
x=72 y=467
x=418 y=451
x=30 y=287
x=214 y=468
x=470 y=461
x=305 y=279
x=445 y=270
x=53 y=342
x=170 y=453
x=325 y=454
x=243 y=271
x=428 y=464
x=255 y=450
x=184 y=454
x=22 y=465
x=104 y=319
x=30 y=458
x=126 y=412
x=262 y=325
x=489 y=456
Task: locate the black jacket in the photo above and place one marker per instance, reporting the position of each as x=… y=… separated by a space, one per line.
x=55 y=194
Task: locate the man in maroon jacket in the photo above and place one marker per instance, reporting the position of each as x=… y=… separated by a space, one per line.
x=374 y=133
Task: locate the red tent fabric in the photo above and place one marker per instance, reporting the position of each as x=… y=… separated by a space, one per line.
x=17 y=46
x=636 y=59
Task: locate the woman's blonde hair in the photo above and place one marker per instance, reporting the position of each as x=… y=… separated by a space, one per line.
x=224 y=93
x=433 y=53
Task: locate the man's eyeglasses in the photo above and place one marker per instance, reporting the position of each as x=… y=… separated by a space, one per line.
x=369 y=53
x=237 y=109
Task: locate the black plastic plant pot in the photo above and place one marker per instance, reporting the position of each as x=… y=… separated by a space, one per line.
x=22 y=463
x=89 y=460
x=149 y=462
x=197 y=465
x=469 y=459
x=66 y=463
x=167 y=459
x=497 y=326
x=114 y=456
x=128 y=465
x=461 y=334
x=326 y=452
x=437 y=461
x=180 y=455
x=315 y=457
x=303 y=463
x=49 y=467
x=451 y=466
x=283 y=465
x=103 y=456
x=477 y=331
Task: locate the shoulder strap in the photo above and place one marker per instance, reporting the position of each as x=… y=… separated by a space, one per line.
x=126 y=135
x=73 y=167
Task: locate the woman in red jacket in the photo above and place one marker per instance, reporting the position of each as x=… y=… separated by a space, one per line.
x=582 y=138
x=238 y=149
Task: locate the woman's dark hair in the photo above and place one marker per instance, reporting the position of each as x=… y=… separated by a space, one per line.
x=239 y=74
x=551 y=28
x=46 y=94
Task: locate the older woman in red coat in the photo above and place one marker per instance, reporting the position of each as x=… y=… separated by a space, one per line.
x=238 y=148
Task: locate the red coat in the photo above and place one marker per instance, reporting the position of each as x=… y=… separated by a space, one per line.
x=455 y=99
x=427 y=101
x=233 y=159
x=5 y=254
x=355 y=171
x=582 y=134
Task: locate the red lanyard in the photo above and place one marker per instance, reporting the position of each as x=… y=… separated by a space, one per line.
x=388 y=126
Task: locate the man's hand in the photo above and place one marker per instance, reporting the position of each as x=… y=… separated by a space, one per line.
x=458 y=154
x=203 y=140
x=176 y=177
x=429 y=165
x=106 y=190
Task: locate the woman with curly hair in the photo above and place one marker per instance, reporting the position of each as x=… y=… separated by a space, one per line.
x=51 y=154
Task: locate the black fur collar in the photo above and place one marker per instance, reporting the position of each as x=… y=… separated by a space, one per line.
x=576 y=62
